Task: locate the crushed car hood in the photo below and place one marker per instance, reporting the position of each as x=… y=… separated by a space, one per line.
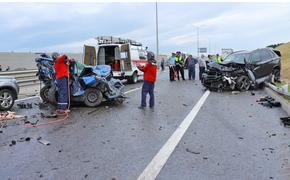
x=224 y=66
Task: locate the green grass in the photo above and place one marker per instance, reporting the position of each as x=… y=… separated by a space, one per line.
x=285 y=61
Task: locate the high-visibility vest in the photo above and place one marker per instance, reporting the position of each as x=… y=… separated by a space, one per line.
x=219 y=59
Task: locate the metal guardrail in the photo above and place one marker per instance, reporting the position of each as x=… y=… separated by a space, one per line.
x=24 y=78
x=278 y=90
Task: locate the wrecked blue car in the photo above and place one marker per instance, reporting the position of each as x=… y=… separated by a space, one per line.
x=88 y=84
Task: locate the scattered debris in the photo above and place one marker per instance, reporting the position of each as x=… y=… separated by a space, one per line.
x=205 y=158
x=190 y=151
x=241 y=138
x=184 y=104
x=1 y=131
x=236 y=92
x=25 y=105
x=285 y=121
x=252 y=93
x=51 y=115
x=9 y=115
x=43 y=141
x=268 y=101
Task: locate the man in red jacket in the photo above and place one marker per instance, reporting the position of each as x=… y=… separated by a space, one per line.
x=150 y=71
x=61 y=63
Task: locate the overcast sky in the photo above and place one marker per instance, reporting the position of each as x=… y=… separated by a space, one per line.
x=66 y=27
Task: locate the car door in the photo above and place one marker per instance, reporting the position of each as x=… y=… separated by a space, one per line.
x=125 y=58
x=256 y=64
x=90 y=55
x=267 y=62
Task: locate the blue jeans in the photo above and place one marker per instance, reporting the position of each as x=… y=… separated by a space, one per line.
x=62 y=101
x=148 y=87
x=191 y=73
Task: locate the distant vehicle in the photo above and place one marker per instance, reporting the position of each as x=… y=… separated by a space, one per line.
x=242 y=69
x=9 y=90
x=123 y=55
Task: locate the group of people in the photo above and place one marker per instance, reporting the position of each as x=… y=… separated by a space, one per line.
x=177 y=64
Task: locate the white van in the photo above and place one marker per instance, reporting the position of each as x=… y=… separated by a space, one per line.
x=122 y=55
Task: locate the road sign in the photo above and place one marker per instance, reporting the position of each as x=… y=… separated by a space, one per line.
x=202 y=50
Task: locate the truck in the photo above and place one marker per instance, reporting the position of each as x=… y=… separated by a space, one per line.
x=123 y=55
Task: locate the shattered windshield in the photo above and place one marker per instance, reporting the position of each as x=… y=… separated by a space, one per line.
x=237 y=58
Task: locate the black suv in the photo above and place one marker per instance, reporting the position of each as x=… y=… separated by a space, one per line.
x=244 y=68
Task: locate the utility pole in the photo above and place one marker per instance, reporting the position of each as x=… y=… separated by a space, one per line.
x=197 y=42
x=208 y=46
x=157 y=40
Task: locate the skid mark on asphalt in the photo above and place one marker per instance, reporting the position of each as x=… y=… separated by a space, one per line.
x=154 y=167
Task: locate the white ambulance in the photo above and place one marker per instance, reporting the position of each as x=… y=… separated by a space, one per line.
x=123 y=55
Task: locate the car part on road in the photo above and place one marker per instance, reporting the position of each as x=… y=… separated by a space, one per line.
x=9 y=115
x=285 y=121
x=25 y=105
x=268 y=102
x=43 y=141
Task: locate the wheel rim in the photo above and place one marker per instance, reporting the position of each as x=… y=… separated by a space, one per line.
x=276 y=74
x=6 y=100
x=244 y=84
x=92 y=97
x=135 y=78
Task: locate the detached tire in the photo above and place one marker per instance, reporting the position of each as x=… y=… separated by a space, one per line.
x=243 y=83
x=7 y=99
x=93 y=97
x=134 y=78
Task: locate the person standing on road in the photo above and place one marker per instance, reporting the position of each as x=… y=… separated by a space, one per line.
x=150 y=73
x=190 y=64
x=61 y=64
x=162 y=64
x=172 y=67
x=202 y=65
x=179 y=65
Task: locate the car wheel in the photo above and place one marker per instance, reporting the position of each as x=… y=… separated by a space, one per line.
x=44 y=93
x=134 y=78
x=243 y=83
x=276 y=74
x=93 y=97
x=7 y=99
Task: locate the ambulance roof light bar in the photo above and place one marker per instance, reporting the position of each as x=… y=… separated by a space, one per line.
x=115 y=40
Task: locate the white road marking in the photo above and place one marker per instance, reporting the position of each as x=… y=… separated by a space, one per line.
x=132 y=90
x=28 y=98
x=154 y=167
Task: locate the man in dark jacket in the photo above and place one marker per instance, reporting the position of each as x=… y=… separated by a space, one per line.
x=190 y=64
x=150 y=73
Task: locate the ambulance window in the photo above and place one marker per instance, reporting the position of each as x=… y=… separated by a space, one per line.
x=101 y=56
x=117 y=53
x=134 y=54
x=142 y=54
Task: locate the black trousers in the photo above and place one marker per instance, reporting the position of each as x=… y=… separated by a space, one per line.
x=171 y=73
x=181 y=70
x=201 y=71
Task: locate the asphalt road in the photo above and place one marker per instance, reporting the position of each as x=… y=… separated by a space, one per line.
x=232 y=137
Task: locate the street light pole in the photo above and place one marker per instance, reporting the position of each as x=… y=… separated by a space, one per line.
x=197 y=42
x=157 y=39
